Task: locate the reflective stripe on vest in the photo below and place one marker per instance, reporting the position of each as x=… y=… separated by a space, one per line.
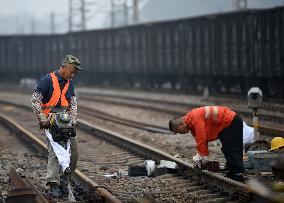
x=207 y=112
x=56 y=95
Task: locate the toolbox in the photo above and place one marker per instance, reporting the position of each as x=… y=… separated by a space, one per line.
x=259 y=160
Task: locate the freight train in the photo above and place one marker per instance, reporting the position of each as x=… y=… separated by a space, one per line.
x=227 y=52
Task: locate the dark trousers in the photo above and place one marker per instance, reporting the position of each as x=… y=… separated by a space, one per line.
x=232 y=145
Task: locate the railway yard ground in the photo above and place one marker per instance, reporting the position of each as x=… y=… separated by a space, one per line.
x=106 y=161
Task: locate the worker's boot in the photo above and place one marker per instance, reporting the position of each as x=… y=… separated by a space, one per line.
x=64 y=179
x=54 y=190
x=236 y=176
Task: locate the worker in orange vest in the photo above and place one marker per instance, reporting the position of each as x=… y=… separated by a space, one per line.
x=210 y=123
x=54 y=93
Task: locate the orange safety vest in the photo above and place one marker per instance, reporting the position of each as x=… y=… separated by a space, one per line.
x=56 y=95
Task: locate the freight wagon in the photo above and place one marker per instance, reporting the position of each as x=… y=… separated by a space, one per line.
x=227 y=52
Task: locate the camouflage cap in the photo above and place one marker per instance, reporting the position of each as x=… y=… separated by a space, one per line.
x=69 y=59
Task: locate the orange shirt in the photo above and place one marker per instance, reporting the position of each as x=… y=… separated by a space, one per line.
x=205 y=124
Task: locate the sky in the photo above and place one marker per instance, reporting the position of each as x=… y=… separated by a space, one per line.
x=28 y=16
x=13 y=12
x=38 y=7
x=186 y=8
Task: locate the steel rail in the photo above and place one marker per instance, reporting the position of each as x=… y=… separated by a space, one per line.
x=127 y=122
x=80 y=177
x=262 y=128
x=105 y=116
x=23 y=191
x=155 y=154
x=267 y=130
x=181 y=104
x=226 y=184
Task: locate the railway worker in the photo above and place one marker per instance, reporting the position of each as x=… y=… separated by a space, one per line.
x=210 y=123
x=55 y=92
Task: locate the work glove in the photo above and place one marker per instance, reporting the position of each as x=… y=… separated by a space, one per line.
x=44 y=124
x=199 y=161
x=41 y=117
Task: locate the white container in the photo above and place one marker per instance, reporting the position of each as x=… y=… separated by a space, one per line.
x=150 y=167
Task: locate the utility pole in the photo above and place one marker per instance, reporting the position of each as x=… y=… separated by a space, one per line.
x=22 y=29
x=33 y=27
x=112 y=13
x=78 y=7
x=70 y=23
x=125 y=9
x=17 y=25
x=135 y=11
x=241 y=4
x=83 y=15
x=52 y=23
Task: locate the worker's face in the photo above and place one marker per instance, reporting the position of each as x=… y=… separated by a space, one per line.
x=181 y=128
x=68 y=71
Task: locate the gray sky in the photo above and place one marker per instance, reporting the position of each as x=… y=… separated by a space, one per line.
x=21 y=11
x=37 y=7
x=16 y=16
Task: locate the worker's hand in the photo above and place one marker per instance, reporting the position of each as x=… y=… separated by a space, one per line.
x=44 y=122
x=199 y=161
x=44 y=125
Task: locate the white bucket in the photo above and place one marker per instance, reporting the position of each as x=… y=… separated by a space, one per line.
x=150 y=167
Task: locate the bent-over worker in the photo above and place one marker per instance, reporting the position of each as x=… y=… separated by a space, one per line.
x=210 y=123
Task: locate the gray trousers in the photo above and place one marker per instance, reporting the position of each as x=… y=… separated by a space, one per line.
x=53 y=165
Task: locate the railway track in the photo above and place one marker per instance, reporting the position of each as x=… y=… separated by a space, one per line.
x=23 y=190
x=201 y=101
x=271 y=124
x=13 y=158
x=105 y=157
x=170 y=144
x=264 y=129
x=95 y=192
x=264 y=116
x=127 y=122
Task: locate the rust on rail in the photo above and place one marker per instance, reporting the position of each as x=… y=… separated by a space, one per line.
x=22 y=190
x=84 y=180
